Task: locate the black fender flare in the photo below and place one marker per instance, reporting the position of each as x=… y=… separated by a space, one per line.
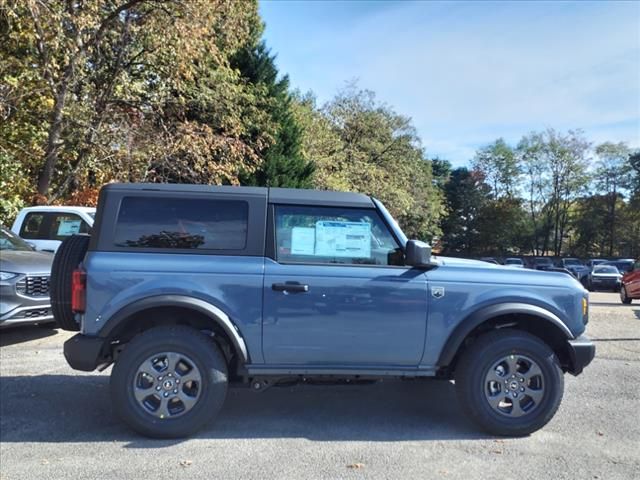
x=214 y=313
x=480 y=316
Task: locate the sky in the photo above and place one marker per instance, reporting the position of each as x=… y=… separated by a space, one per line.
x=469 y=73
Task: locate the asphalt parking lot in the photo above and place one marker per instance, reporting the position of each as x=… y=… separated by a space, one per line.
x=57 y=423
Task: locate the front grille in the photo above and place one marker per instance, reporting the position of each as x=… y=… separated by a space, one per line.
x=33 y=286
x=36 y=313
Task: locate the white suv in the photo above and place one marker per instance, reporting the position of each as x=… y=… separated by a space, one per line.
x=45 y=227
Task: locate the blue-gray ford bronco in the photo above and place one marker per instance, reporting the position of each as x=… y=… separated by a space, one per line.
x=186 y=289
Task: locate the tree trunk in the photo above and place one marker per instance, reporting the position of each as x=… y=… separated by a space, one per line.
x=55 y=131
x=612 y=215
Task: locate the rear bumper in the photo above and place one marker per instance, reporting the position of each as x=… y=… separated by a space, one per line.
x=581 y=352
x=85 y=353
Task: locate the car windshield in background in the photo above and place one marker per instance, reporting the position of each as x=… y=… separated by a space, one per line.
x=9 y=241
x=543 y=261
x=572 y=261
x=606 y=269
x=623 y=266
x=513 y=261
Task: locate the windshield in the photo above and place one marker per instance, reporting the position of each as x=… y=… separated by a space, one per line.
x=572 y=261
x=543 y=261
x=623 y=266
x=392 y=221
x=513 y=261
x=10 y=241
x=606 y=269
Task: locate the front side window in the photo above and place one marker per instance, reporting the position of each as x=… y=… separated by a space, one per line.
x=182 y=223
x=345 y=236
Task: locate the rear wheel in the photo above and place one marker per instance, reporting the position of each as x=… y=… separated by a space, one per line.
x=69 y=255
x=509 y=382
x=169 y=382
x=624 y=298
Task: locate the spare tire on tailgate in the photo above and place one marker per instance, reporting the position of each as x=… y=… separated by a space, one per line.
x=69 y=255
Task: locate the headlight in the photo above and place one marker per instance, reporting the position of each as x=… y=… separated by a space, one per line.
x=7 y=275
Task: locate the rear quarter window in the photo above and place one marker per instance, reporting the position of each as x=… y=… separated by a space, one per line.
x=182 y=223
x=31 y=224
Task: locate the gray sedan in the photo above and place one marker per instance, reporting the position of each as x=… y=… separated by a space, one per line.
x=24 y=282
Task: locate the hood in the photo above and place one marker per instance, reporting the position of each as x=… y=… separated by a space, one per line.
x=504 y=275
x=23 y=261
x=462 y=261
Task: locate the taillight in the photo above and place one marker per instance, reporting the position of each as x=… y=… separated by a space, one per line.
x=78 y=290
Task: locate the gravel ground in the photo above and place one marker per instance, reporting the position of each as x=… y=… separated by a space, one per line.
x=57 y=423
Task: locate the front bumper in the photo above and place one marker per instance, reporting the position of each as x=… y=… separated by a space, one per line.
x=24 y=300
x=86 y=353
x=27 y=316
x=605 y=283
x=581 y=352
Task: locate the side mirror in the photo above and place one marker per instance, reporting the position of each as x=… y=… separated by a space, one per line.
x=417 y=254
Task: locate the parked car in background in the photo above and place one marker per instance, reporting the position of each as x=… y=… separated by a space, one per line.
x=605 y=277
x=623 y=265
x=576 y=267
x=46 y=226
x=490 y=260
x=595 y=261
x=514 y=262
x=542 y=263
x=630 y=288
x=24 y=282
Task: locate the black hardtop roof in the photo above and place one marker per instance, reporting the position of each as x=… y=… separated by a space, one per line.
x=289 y=196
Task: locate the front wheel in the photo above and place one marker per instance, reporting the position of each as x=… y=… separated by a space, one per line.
x=509 y=382
x=169 y=382
x=624 y=298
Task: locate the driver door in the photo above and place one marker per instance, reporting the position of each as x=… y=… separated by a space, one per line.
x=338 y=292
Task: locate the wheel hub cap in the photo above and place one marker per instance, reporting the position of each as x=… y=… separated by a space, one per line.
x=167 y=385
x=514 y=385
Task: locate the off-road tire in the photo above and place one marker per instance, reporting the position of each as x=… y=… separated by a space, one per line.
x=475 y=364
x=68 y=256
x=208 y=359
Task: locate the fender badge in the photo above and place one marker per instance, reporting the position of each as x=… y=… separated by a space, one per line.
x=437 y=292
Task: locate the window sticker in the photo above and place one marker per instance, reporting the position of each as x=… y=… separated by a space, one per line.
x=343 y=239
x=303 y=241
x=69 y=227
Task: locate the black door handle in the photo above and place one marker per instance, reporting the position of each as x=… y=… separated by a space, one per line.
x=291 y=287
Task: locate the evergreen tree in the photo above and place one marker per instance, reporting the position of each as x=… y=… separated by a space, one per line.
x=466 y=196
x=284 y=164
